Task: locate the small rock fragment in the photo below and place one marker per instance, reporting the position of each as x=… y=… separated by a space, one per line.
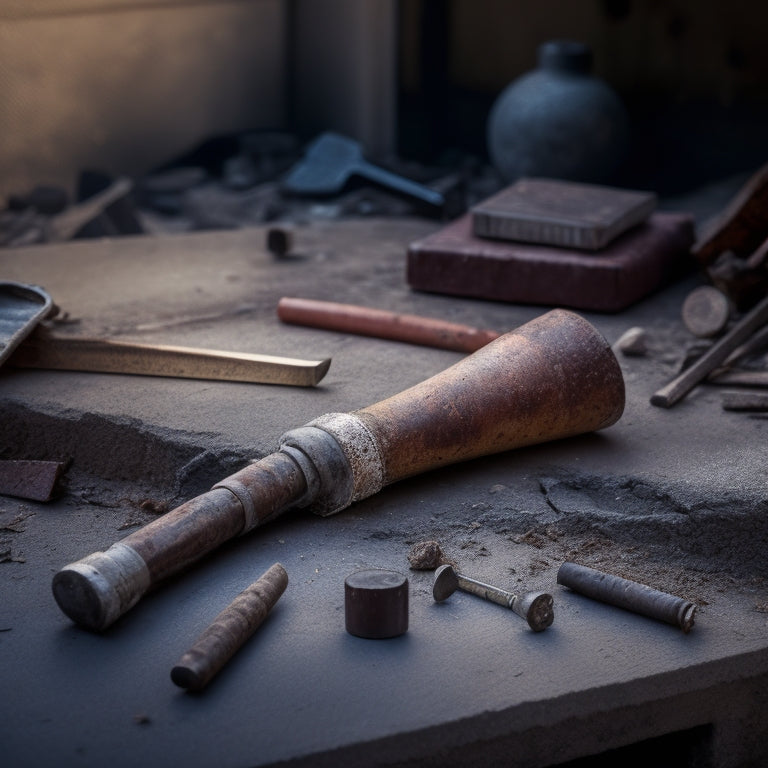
x=426 y=556
x=633 y=342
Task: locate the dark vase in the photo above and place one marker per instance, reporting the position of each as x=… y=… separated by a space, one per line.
x=558 y=121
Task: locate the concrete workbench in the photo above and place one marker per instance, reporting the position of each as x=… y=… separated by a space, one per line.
x=675 y=498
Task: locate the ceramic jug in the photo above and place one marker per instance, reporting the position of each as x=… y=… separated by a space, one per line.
x=559 y=120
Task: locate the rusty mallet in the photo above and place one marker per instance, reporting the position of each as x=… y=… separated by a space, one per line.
x=535 y=607
x=553 y=377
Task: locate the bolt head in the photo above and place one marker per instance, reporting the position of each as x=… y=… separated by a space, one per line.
x=537 y=608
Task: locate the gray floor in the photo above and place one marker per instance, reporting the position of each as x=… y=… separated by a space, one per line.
x=674 y=498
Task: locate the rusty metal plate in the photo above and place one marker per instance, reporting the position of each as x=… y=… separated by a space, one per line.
x=35 y=480
x=21 y=309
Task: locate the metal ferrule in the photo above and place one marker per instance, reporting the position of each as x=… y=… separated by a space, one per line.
x=240 y=490
x=361 y=449
x=340 y=460
x=326 y=469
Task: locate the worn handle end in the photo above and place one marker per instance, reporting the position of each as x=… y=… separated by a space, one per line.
x=98 y=589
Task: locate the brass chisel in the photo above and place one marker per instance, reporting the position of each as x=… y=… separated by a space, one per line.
x=43 y=350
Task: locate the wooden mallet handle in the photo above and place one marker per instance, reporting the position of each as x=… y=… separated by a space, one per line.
x=553 y=377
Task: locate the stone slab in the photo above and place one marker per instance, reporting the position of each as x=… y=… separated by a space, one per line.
x=675 y=498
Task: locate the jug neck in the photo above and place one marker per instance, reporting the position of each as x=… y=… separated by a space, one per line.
x=565 y=57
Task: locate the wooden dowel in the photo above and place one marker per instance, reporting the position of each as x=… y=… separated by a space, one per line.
x=680 y=386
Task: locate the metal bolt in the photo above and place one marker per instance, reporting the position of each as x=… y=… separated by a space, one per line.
x=534 y=607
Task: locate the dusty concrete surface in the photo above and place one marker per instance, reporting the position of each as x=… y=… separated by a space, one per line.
x=674 y=498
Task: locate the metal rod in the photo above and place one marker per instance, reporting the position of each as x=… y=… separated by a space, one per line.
x=630 y=595
x=680 y=386
x=229 y=630
x=745 y=401
x=741 y=378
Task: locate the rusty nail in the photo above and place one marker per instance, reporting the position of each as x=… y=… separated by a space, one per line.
x=229 y=630
x=627 y=594
x=534 y=607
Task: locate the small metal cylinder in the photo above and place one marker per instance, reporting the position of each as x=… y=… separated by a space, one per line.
x=630 y=595
x=229 y=630
x=376 y=603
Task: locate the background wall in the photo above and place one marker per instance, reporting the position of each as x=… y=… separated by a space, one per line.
x=126 y=85
x=122 y=86
x=693 y=73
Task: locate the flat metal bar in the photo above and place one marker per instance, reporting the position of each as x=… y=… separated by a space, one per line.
x=105 y=356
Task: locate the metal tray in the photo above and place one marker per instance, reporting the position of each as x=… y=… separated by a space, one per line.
x=22 y=307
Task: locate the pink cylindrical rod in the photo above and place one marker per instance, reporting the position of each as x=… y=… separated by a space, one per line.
x=229 y=630
x=364 y=321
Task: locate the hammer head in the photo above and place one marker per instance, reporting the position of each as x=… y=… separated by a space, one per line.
x=445 y=584
x=327 y=166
